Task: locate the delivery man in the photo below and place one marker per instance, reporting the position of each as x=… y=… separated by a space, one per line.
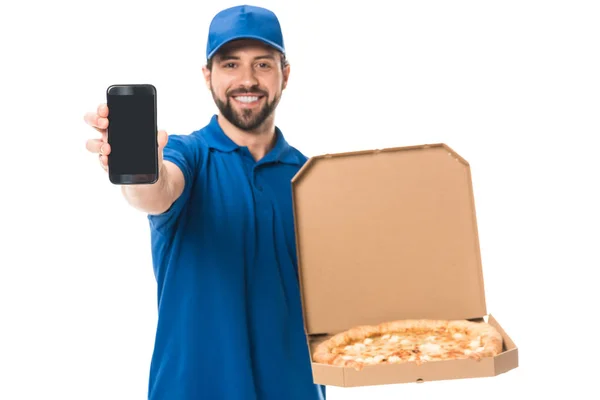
x=230 y=320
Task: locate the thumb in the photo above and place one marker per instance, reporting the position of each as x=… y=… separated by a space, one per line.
x=162 y=139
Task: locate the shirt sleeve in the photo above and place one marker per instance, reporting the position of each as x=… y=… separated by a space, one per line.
x=184 y=152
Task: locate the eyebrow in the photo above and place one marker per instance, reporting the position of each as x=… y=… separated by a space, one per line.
x=227 y=57
x=266 y=56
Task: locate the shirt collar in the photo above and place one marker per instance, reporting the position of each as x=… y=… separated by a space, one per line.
x=282 y=152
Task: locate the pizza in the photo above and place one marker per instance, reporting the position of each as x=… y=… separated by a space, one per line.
x=415 y=341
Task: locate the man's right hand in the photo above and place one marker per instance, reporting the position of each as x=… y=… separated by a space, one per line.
x=153 y=199
x=99 y=121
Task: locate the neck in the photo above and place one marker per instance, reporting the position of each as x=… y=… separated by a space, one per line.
x=259 y=141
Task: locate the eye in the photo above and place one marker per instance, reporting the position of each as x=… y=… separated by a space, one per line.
x=229 y=65
x=264 y=65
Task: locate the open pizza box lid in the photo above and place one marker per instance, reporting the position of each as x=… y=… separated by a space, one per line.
x=385 y=235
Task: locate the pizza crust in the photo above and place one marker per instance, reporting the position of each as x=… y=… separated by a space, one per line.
x=418 y=341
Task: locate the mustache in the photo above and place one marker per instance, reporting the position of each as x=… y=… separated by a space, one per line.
x=243 y=91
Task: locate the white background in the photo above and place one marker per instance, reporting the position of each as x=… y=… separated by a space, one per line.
x=512 y=86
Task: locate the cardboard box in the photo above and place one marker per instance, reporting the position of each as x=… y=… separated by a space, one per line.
x=385 y=235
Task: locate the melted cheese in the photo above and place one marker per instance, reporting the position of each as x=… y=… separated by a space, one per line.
x=430 y=348
x=359 y=346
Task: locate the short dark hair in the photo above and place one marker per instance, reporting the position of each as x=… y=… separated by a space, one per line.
x=284 y=62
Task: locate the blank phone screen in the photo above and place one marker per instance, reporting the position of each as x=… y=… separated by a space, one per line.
x=132 y=134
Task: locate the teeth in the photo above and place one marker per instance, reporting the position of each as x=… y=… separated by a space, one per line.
x=246 y=99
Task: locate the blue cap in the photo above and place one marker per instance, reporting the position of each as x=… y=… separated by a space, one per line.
x=244 y=22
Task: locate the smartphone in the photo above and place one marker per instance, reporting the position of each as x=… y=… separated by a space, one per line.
x=132 y=134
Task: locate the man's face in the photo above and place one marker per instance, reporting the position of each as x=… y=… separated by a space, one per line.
x=246 y=82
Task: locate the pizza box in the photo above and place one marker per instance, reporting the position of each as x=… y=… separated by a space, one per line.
x=390 y=234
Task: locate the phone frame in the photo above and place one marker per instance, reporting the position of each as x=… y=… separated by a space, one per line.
x=132 y=90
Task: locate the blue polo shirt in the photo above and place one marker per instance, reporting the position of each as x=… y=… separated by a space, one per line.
x=229 y=313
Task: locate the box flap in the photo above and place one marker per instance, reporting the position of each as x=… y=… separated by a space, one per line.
x=387 y=234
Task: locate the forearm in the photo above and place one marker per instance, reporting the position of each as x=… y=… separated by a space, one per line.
x=153 y=199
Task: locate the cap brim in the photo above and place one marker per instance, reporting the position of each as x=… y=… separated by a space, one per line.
x=260 y=39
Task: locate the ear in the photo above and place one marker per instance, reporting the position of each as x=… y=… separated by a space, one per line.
x=286 y=75
x=206 y=73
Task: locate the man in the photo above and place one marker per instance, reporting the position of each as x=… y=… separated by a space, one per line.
x=229 y=314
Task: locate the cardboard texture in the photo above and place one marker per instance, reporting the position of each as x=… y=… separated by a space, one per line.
x=385 y=235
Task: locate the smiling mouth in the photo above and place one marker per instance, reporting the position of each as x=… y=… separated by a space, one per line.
x=247 y=99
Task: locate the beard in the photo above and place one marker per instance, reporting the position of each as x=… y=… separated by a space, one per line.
x=247 y=120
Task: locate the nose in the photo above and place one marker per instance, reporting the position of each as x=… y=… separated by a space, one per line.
x=248 y=77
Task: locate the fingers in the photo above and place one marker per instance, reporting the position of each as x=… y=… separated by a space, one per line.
x=97 y=122
x=104 y=162
x=98 y=146
x=102 y=123
x=103 y=110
